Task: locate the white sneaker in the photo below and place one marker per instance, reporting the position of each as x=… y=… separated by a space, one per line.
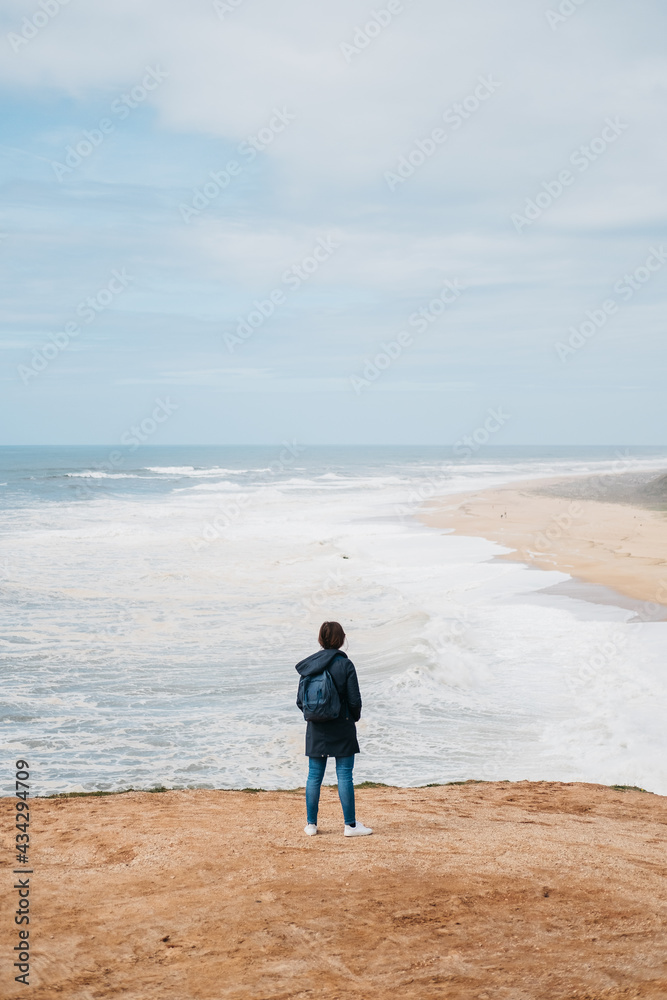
x=357 y=831
x=310 y=829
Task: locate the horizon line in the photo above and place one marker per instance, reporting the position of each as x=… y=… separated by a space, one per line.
x=316 y=444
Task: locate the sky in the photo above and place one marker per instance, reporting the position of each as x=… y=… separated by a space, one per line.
x=334 y=223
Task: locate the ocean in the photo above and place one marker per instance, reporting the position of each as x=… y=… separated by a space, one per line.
x=155 y=601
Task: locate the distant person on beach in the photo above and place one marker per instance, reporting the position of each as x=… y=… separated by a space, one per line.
x=331 y=703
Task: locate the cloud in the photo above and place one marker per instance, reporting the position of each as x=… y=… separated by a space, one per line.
x=209 y=376
x=355 y=120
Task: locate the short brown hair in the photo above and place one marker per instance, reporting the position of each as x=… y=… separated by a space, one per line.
x=331 y=635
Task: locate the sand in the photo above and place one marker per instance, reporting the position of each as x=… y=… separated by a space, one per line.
x=496 y=891
x=610 y=531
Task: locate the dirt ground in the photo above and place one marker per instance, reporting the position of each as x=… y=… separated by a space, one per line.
x=498 y=891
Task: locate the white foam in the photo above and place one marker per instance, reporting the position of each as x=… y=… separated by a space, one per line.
x=171 y=470
x=189 y=470
x=99 y=474
x=182 y=614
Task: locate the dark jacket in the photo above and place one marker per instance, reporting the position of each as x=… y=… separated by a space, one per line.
x=337 y=737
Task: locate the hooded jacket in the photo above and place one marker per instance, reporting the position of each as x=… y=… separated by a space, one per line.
x=336 y=737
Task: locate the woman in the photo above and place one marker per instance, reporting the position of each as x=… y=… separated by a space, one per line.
x=335 y=737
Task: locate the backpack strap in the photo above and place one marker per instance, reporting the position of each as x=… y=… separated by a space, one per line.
x=343 y=699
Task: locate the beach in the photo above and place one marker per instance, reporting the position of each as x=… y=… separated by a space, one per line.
x=496 y=891
x=605 y=530
x=543 y=660
x=157 y=643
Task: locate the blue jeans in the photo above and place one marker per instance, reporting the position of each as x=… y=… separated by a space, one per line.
x=316 y=768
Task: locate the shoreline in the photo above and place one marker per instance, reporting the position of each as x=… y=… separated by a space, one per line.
x=480 y=889
x=608 y=531
x=302 y=788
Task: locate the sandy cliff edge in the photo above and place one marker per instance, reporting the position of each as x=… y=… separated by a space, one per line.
x=515 y=891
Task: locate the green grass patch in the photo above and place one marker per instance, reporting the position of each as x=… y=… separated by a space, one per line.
x=294 y=791
x=470 y=781
x=92 y=795
x=84 y=795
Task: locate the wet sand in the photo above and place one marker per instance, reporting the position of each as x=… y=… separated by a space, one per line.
x=610 y=530
x=496 y=891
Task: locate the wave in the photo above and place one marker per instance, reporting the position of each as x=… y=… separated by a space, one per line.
x=166 y=470
x=171 y=470
x=465 y=665
x=189 y=470
x=98 y=474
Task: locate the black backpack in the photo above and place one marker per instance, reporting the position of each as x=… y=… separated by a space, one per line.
x=319 y=697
